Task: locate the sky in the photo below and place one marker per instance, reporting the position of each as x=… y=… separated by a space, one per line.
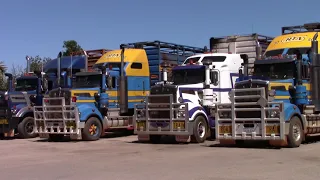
x=38 y=27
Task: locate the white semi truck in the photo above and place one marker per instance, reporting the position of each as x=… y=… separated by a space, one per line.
x=178 y=108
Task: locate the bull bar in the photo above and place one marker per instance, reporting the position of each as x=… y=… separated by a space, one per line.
x=264 y=127
x=173 y=119
x=56 y=119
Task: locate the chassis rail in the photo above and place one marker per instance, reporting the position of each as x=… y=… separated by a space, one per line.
x=161 y=118
x=265 y=127
x=56 y=119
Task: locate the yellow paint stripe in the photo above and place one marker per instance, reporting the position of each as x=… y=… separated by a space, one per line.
x=85 y=101
x=91 y=92
x=130 y=93
x=286 y=85
x=111 y=93
x=286 y=97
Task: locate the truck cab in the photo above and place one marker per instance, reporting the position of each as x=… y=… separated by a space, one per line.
x=281 y=97
x=28 y=91
x=186 y=97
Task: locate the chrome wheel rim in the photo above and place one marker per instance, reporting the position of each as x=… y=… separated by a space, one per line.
x=296 y=132
x=201 y=130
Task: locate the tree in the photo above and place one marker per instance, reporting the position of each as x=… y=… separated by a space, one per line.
x=37 y=62
x=3 y=69
x=71 y=46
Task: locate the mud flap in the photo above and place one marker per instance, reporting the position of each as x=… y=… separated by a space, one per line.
x=143 y=137
x=182 y=138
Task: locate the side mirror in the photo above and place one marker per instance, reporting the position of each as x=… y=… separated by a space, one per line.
x=97 y=97
x=9 y=75
x=109 y=82
x=33 y=98
x=214 y=77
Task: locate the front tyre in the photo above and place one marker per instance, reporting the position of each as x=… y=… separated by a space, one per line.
x=26 y=128
x=92 y=129
x=200 y=130
x=295 y=132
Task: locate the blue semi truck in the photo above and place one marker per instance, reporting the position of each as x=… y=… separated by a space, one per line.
x=32 y=87
x=280 y=103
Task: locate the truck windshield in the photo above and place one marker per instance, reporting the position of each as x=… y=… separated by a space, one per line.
x=275 y=71
x=188 y=76
x=89 y=81
x=26 y=85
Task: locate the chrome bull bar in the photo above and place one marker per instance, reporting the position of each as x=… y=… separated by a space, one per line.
x=253 y=118
x=159 y=115
x=56 y=119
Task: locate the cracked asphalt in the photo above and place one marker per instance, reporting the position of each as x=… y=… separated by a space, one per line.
x=120 y=157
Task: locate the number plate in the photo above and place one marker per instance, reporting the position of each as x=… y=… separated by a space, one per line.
x=225 y=129
x=177 y=124
x=70 y=124
x=273 y=129
x=4 y=121
x=141 y=124
x=248 y=130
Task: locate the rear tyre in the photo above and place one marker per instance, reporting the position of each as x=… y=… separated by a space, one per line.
x=295 y=132
x=26 y=128
x=92 y=129
x=155 y=139
x=200 y=130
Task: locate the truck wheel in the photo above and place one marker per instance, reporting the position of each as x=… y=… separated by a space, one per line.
x=92 y=129
x=26 y=128
x=295 y=132
x=200 y=130
x=155 y=139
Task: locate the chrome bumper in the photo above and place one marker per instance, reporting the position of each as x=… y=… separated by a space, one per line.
x=230 y=126
x=57 y=119
x=173 y=118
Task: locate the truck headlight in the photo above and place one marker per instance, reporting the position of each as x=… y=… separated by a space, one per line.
x=140 y=114
x=272 y=93
x=274 y=114
x=180 y=114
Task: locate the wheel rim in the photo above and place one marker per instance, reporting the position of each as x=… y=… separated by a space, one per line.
x=93 y=130
x=296 y=132
x=201 y=130
x=29 y=127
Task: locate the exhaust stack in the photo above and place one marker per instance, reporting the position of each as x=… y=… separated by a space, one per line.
x=123 y=88
x=315 y=73
x=86 y=60
x=9 y=75
x=59 y=67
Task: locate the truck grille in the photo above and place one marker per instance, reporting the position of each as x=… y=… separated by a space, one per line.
x=66 y=93
x=156 y=100
x=60 y=93
x=161 y=89
x=248 y=85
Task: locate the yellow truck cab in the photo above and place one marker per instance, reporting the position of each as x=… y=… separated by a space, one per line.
x=293 y=39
